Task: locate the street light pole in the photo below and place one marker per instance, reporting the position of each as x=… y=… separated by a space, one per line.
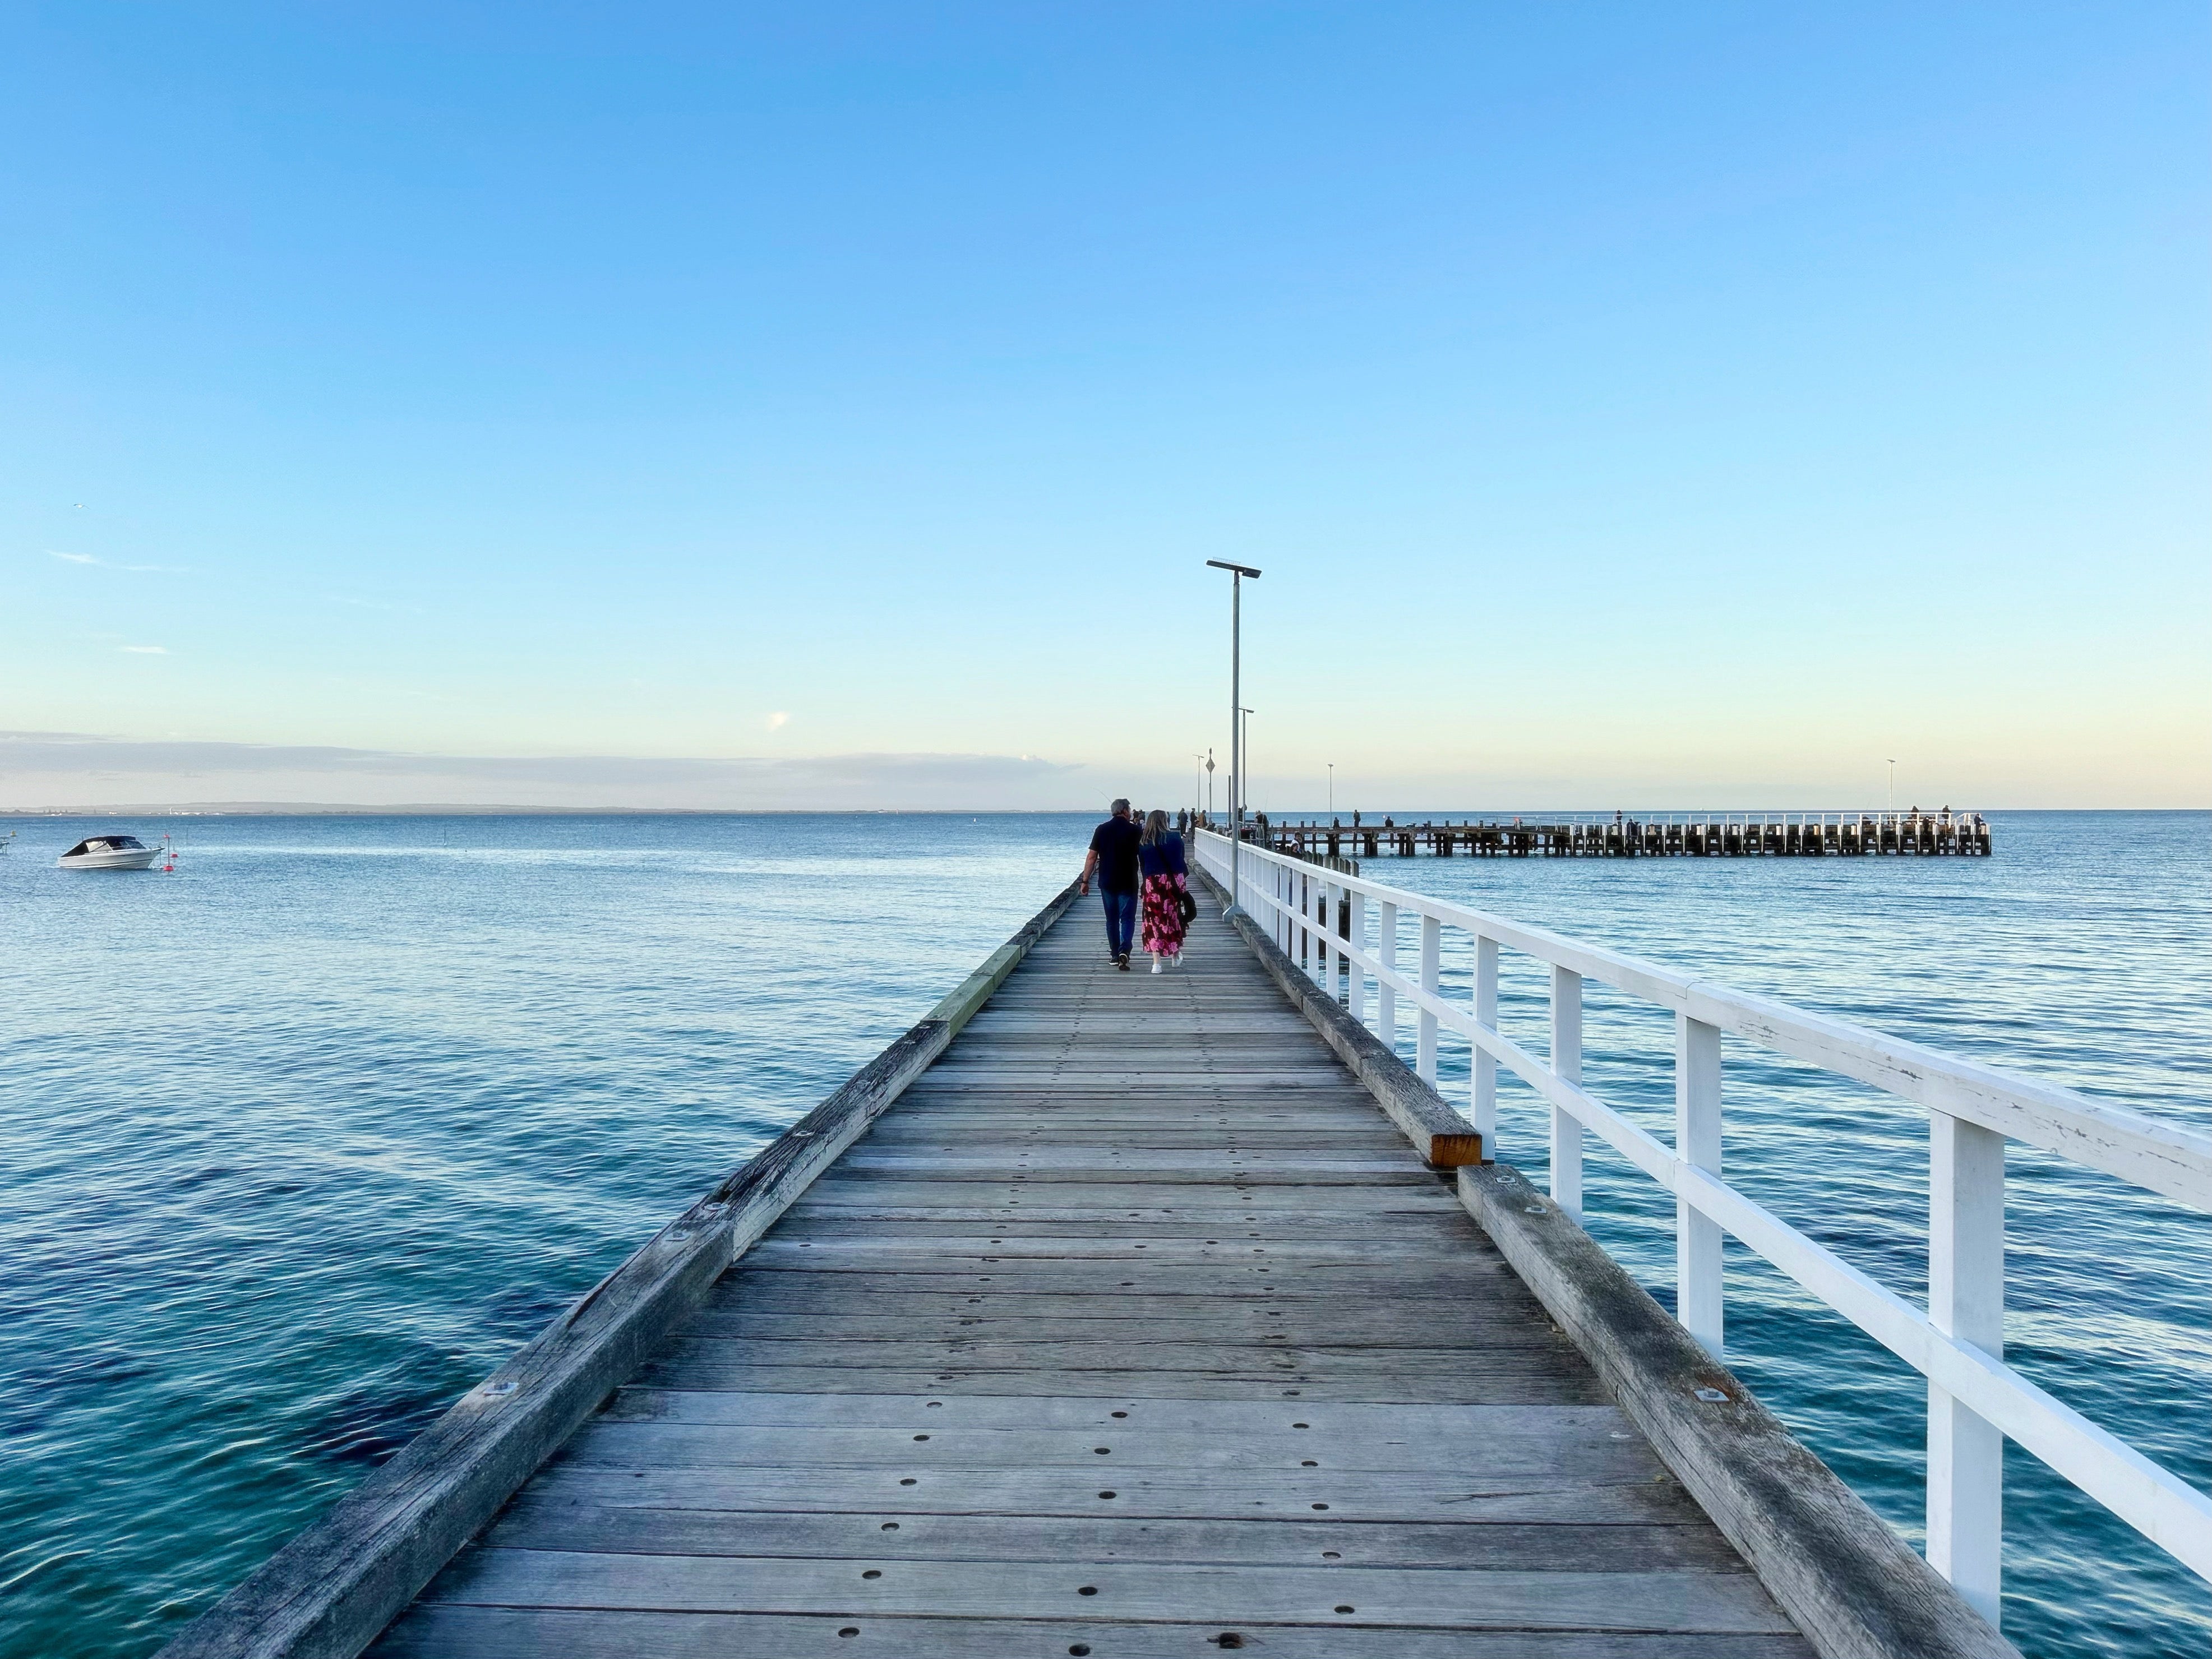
x=1238 y=791
x=1332 y=790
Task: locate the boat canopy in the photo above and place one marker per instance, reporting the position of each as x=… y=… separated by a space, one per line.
x=106 y=844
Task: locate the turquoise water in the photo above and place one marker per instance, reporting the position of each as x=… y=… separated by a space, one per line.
x=300 y=1140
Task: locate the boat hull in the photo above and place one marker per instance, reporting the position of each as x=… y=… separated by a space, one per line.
x=129 y=857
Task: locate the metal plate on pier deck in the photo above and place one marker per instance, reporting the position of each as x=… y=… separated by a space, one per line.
x=1132 y=1330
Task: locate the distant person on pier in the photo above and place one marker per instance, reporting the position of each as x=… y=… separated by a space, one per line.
x=1113 y=859
x=1169 y=906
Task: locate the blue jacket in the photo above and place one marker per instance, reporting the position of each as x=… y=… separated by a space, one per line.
x=1165 y=856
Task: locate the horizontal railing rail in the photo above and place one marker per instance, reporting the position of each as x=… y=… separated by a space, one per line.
x=1320 y=918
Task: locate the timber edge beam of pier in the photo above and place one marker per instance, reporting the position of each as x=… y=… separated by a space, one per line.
x=1679 y=835
x=1854 y=1588
x=330 y=1591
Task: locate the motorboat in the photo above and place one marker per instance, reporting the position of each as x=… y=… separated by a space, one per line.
x=109 y=853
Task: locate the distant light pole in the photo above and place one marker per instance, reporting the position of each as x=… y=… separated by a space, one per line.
x=1332 y=789
x=1892 y=785
x=1200 y=759
x=1209 y=786
x=1239 y=789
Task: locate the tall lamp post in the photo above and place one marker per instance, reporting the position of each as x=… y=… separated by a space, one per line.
x=1238 y=793
x=1331 y=791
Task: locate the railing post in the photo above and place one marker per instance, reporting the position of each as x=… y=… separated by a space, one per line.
x=1482 y=1085
x=1425 y=1024
x=1567 y=1062
x=1332 y=957
x=1697 y=1141
x=1965 y=1300
x=1355 y=991
x=1386 y=994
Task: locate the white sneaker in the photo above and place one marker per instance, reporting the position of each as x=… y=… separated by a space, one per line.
x=1156 y=964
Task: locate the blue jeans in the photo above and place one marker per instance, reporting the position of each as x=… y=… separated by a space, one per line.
x=1120 y=919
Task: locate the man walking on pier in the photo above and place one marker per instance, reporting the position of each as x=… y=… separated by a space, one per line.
x=1115 y=859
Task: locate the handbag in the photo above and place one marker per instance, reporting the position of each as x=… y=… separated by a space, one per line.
x=1185 y=906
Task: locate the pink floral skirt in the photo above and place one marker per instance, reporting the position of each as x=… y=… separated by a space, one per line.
x=1161 y=930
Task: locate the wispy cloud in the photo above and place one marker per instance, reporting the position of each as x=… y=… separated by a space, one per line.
x=39 y=768
x=146 y=650
x=778 y=720
x=86 y=558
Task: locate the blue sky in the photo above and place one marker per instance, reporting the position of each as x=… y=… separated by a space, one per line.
x=1629 y=406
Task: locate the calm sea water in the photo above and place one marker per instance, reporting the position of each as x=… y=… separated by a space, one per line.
x=296 y=1143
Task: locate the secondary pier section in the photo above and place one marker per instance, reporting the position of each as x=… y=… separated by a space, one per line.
x=1675 y=835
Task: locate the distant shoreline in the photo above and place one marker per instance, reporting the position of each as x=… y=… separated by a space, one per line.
x=434 y=809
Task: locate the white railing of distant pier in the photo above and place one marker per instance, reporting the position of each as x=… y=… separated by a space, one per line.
x=1974 y=1399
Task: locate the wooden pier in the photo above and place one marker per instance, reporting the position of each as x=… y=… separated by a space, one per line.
x=1106 y=1314
x=1773 y=835
x=1133 y=1322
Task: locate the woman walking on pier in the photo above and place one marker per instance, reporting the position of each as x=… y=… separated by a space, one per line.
x=1168 y=904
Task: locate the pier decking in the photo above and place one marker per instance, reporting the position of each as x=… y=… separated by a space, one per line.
x=1133 y=1329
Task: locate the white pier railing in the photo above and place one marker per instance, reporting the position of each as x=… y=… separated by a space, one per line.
x=1975 y=1401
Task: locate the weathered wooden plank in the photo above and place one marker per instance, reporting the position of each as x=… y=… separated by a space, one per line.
x=1526 y=1385
x=1503 y=1346
x=1178 y=1134
x=851 y=1295
x=1571 y=1451
x=1485 y=1377
x=1031 y=1080
x=1378 y=1327
x=930 y=1411
x=1301 y=1255
x=1409 y=1198
x=535 y=1522
x=1041 y=1222
x=1126 y=1189
x=1105 y=1281
x=1014 y=1113
x=1273 y=1170
x=1249 y=1593
x=433 y=1632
